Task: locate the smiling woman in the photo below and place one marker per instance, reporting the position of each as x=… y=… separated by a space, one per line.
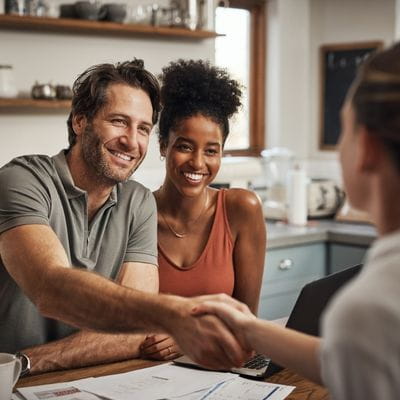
x=209 y=241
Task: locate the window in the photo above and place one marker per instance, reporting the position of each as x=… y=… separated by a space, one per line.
x=242 y=52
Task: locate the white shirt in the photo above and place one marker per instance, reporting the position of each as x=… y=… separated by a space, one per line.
x=360 y=350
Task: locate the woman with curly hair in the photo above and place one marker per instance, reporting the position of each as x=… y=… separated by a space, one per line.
x=209 y=241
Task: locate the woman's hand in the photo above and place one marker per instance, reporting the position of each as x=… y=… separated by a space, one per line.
x=234 y=313
x=159 y=347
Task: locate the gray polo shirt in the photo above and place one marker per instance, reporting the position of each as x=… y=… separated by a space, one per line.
x=39 y=189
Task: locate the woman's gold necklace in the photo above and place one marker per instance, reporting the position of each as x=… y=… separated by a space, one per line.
x=182 y=235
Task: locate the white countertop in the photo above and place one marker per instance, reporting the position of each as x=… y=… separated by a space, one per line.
x=283 y=235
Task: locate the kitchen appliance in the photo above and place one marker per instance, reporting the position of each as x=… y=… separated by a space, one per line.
x=325 y=197
x=276 y=163
x=43 y=91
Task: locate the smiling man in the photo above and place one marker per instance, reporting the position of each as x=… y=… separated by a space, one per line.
x=69 y=221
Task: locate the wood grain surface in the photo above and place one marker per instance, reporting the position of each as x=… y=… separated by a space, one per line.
x=305 y=390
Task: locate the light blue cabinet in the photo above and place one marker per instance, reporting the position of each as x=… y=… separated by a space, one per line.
x=341 y=256
x=286 y=271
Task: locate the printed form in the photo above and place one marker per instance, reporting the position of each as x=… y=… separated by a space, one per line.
x=162 y=382
x=244 y=389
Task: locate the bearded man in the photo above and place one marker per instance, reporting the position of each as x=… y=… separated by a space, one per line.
x=78 y=240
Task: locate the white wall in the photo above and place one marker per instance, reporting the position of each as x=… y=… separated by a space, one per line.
x=342 y=21
x=59 y=58
x=288 y=75
x=397 y=20
x=296 y=30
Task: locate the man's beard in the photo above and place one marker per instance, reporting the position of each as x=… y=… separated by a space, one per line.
x=95 y=157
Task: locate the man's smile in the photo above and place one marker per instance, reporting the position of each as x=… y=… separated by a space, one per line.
x=121 y=155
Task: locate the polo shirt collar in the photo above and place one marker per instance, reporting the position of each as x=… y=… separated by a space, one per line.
x=64 y=173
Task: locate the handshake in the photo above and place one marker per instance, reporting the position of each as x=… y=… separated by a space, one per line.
x=211 y=330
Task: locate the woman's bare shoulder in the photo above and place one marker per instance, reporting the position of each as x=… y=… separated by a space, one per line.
x=242 y=204
x=242 y=198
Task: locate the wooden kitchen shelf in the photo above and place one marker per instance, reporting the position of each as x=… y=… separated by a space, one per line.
x=78 y=26
x=33 y=105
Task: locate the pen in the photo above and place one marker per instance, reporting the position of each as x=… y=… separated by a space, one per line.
x=160 y=377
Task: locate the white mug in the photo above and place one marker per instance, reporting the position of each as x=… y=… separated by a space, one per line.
x=10 y=368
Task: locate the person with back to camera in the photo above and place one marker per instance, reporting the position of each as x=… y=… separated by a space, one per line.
x=78 y=239
x=209 y=241
x=358 y=357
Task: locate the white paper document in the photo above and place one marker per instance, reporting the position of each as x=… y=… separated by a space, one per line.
x=165 y=381
x=56 y=391
x=245 y=389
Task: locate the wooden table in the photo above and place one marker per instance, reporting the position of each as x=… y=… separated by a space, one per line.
x=305 y=390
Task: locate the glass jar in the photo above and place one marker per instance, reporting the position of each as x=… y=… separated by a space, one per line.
x=14 y=7
x=8 y=87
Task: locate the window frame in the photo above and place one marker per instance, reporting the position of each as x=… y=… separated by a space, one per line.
x=258 y=17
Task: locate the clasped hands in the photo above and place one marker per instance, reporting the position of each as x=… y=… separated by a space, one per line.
x=211 y=332
x=159 y=347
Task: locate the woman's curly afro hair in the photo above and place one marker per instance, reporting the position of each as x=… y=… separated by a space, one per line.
x=192 y=88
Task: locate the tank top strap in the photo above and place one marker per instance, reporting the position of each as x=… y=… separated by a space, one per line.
x=221 y=215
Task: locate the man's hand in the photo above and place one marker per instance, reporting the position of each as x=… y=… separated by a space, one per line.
x=159 y=347
x=235 y=315
x=204 y=338
x=163 y=347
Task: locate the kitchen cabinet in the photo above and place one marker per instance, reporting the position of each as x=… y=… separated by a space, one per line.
x=298 y=255
x=341 y=256
x=286 y=271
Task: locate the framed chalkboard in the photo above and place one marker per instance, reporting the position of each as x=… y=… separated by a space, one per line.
x=338 y=68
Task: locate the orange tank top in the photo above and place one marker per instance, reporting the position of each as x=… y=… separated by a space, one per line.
x=213 y=272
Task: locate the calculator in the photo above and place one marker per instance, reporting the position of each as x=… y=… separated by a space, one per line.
x=256 y=367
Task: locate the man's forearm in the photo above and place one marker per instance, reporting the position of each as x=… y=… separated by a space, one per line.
x=36 y=260
x=83 y=349
x=100 y=304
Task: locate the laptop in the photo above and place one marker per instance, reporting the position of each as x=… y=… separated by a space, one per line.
x=305 y=317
